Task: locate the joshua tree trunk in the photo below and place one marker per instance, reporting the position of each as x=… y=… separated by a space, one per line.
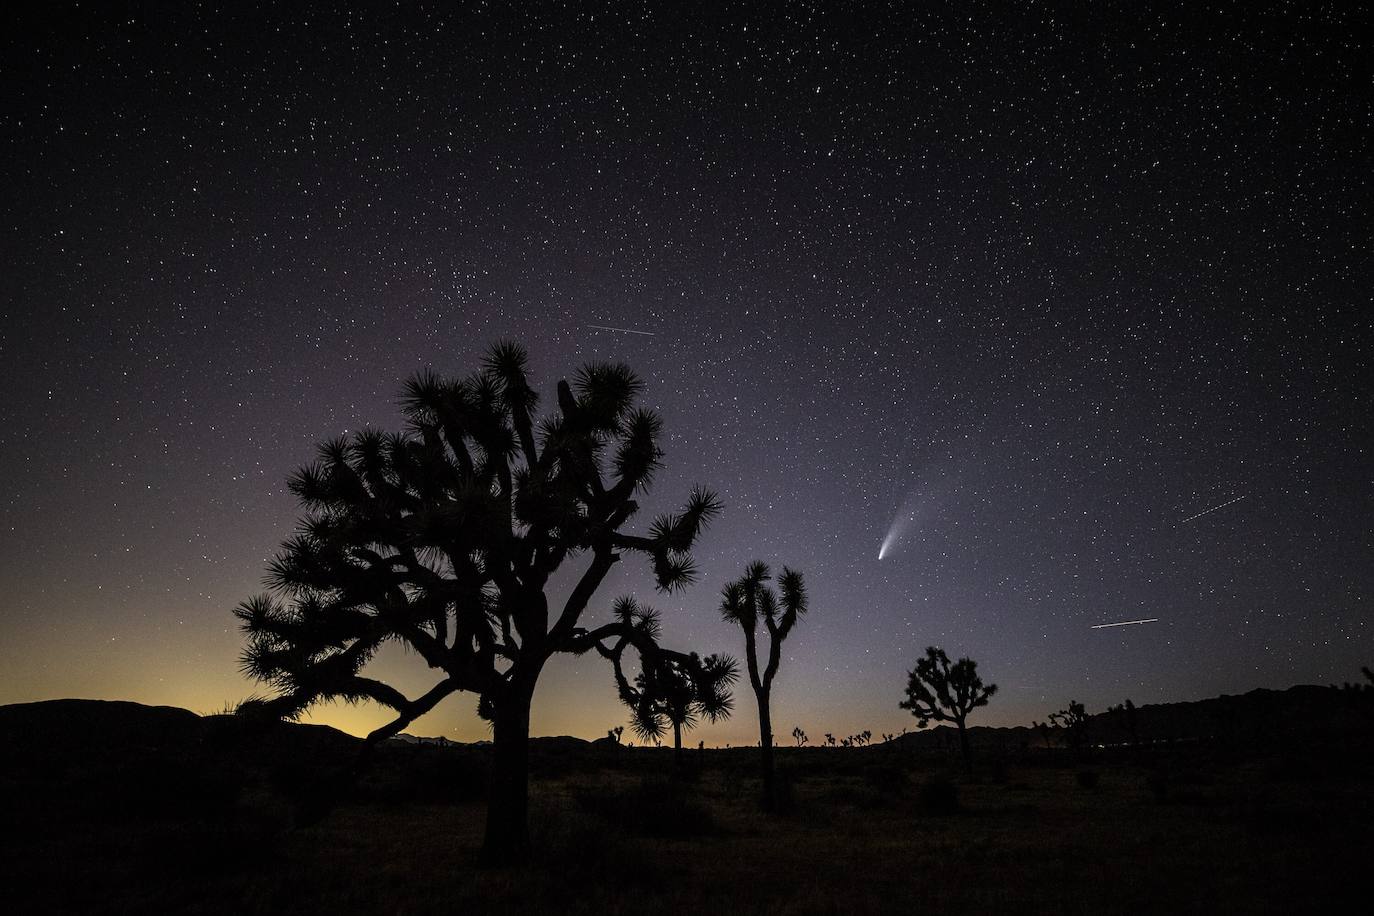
x=508 y=836
x=766 y=750
x=963 y=746
x=677 y=745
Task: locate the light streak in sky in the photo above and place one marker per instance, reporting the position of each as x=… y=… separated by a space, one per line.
x=1124 y=623
x=1214 y=508
x=605 y=327
x=887 y=542
x=931 y=492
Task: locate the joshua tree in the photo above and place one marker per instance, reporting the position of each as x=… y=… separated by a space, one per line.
x=799 y=735
x=1358 y=688
x=939 y=691
x=1127 y=714
x=1072 y=724
x=744 y=603
x=615 y=733
x=444 y=538
x=671 y=689
x=866 y=735
x=1360 y=696
x=829 y=739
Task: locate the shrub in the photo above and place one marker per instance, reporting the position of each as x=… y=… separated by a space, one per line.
x=587 y=857
x=312 y=792
x=939 y=796
x=427 y=776
x=1159 y=784
x=656 y=807
x=784 y=796
x=886 y=779
x=154 y=788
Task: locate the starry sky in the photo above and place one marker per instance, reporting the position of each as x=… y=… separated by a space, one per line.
x=1021 y=290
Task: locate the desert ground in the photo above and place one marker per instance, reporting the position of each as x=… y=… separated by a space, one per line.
x=131 y=809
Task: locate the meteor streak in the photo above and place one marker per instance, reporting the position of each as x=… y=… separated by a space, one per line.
x=1213 y=509
x=1124 y=623
x=606 y=327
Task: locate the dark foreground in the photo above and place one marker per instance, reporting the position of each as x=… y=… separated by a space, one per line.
x=195 y=815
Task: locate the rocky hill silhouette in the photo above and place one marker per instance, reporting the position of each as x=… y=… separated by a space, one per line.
x=1254 y=720
x=57 y=739
x=161 y=805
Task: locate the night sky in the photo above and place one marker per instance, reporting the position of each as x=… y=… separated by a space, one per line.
x=1021 y=290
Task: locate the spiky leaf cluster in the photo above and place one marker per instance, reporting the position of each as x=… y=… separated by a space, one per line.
x=749 y=600
x=680 y=690
x=670 y=687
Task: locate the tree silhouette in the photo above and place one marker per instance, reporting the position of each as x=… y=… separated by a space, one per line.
x=1126 y=712
x=799 y=735
x=1357 y=687
x=939 y=691
x=1072 y=723
x=671 y=690
x=444 y=538
x=829 y=739
x=1361 y=696
x=1048 y=733
x=744 y=603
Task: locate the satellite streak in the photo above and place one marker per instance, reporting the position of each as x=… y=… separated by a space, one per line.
x=1213 y=509
x=1124 y=623
x=606 y=327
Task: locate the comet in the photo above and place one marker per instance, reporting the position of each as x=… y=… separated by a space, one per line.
x=606 y=327
x=895 y=532
x=1124 y=623
x=886 y=544
x=929 y=494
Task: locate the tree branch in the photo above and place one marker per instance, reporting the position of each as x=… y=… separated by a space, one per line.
x=582 y=593
x=413 y=710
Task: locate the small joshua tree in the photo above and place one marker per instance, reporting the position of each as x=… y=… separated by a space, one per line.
x=615 y=733
x=1361 y=696
x=746 y=602
x=1127 y=713
x=1047 y=733
x=943 y=692
x=1357 y=688
x=671 y=690
x=829 y=740
x=1072 y=724
x=799 y=735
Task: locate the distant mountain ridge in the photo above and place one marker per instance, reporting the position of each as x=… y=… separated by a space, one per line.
x=407 y=738
x=1297 y=713
x=1259 y=716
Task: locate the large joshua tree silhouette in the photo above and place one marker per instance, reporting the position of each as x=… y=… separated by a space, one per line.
x=744 y=603
x=444 y=538
x=939 y=691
